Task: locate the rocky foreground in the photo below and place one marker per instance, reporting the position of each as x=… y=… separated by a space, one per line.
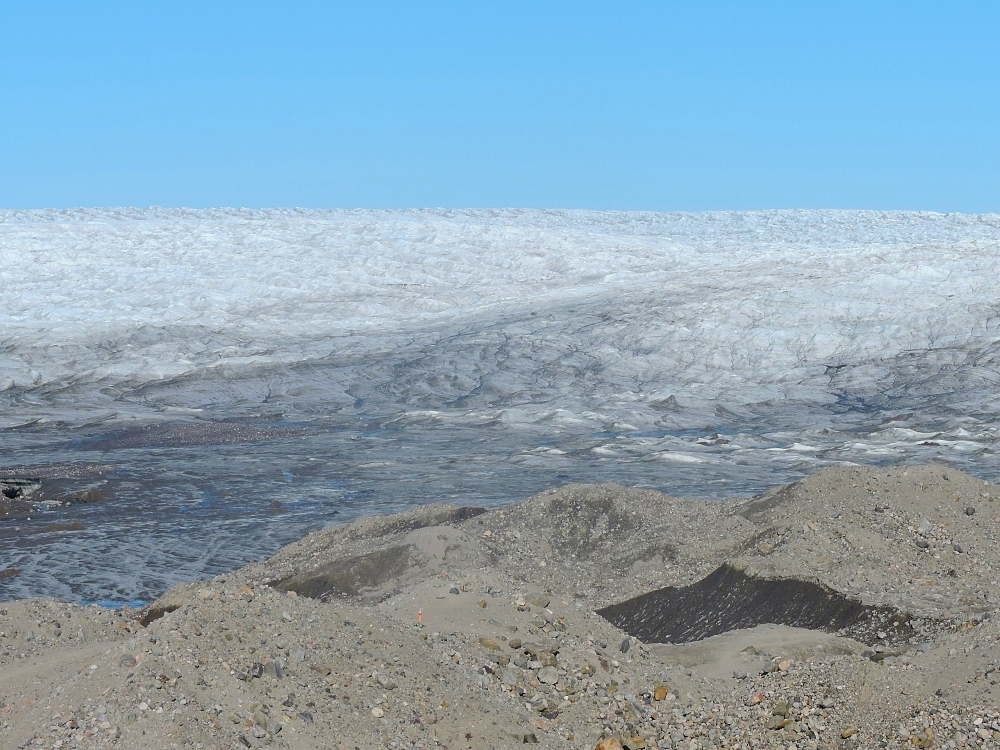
x=857 y=608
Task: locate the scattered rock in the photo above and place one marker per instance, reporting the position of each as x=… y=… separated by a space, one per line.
x=538 y=600
x=548 y=675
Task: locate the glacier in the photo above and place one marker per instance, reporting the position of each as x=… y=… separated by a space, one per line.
x=231 y=379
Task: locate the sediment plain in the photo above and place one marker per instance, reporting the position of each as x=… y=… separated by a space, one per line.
x=856 y=608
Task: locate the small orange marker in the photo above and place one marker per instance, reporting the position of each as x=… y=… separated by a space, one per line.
x=420 y=615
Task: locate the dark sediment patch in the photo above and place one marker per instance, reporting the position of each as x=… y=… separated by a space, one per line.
x=378 y=574
x=757 y=509
x=74 y=526
x=729 y=599
x=350 y=576
x=85 y=497
x=189 y=434
x=404 y=522
x=155 y=612
x=55 y=471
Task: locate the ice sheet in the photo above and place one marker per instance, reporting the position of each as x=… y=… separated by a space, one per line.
x=379 y=359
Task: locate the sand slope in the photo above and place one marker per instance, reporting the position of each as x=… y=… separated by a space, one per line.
x=509 y=648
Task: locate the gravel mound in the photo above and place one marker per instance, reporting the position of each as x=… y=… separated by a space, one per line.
x=460 y=628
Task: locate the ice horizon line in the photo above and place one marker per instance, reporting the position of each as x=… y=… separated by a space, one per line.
x=5 y=210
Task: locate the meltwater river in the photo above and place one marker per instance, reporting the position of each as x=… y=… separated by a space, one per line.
x=221 y=382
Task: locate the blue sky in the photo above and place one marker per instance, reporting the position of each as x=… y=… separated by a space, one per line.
x=652 y=106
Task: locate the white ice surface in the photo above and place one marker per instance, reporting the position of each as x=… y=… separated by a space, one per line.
x=733 y=307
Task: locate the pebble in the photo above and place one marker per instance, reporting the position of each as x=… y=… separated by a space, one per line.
x=970 y=511
x=548 y=675
x=378 y=713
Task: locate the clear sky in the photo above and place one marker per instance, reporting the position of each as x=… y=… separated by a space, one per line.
x=623 y=105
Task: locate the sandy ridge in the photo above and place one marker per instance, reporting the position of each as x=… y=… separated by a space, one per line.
x=508 y=648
